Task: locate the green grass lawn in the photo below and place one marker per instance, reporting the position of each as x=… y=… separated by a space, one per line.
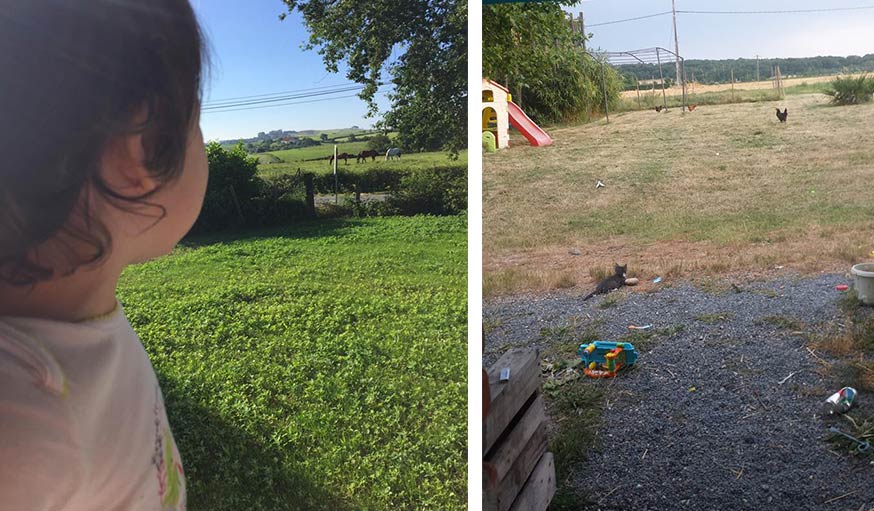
x=321 y=366
x=288 y=161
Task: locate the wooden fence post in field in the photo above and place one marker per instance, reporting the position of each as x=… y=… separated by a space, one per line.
x=357 y=188
x=662 y=78
x=780 y=83
x=637 y=84
x=236 y=203
x=336 y=183
x=604 y=91
x=310 y=194
x=732 y=84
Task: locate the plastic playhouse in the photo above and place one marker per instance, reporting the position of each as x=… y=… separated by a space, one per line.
x=499 y=113
x=604 y=359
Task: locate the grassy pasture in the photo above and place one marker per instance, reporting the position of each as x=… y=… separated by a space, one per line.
x=288 y=161
x=718 y=95
x=321 y=366
x=723 y=189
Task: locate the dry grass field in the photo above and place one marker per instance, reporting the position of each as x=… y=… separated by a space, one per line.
x=724 y=190
x=698 y=88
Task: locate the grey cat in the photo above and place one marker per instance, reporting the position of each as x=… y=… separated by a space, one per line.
x=612 y=282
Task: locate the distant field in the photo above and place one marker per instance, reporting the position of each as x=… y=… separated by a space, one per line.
x=332 y=134
x=293 y=159
x=723 y=189
x=698 y=88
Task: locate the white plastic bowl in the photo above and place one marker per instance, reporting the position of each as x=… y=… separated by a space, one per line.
x=863 y=281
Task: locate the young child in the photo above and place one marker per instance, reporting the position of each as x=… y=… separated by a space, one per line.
x=102 y=166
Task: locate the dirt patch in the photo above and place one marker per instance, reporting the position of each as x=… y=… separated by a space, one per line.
x=581 y=266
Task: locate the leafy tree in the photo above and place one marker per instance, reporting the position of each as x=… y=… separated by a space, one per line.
x=229 y=169
x=323 y=137
x=429 y=103
x=530 y=49
x=379 y=143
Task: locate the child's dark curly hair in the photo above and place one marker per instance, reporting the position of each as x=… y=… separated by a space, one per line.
x=72 y=76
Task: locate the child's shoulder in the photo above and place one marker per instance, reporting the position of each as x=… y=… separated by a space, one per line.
x=25 y=358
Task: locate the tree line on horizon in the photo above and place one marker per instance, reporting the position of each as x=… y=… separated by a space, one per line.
x=707 y=71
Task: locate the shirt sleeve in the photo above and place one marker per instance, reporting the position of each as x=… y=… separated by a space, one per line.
x=41 y=464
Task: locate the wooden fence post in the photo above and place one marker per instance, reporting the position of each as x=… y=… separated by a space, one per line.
x=236 y=204
x=310 y=195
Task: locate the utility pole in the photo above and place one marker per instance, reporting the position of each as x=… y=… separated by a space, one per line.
x=757 y=68
x=676 y=43
x=583 y=29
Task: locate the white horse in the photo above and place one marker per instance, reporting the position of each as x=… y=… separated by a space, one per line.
x=393 y=152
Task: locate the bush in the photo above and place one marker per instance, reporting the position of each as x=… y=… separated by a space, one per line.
x=279 y=199
x=371 y=180
x=437 y=191
x=379 y=143
x=231 y=173
x=851 y=91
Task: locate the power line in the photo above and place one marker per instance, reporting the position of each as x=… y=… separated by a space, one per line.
x=790 y=11
x=787 y=11
x=269 y=94
x=214 y=106
x=237 y=109
x=630 y=19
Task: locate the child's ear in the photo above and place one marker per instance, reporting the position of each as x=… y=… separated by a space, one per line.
x=122 y=164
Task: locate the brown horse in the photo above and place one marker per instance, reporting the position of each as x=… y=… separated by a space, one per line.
x=342 y=156
x=362 y=156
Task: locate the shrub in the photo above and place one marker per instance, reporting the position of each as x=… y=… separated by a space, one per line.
x=231 y=173
x=379 y=143
x=371 y=180
x=437 y=191
x=279 y=199
x=851 y=91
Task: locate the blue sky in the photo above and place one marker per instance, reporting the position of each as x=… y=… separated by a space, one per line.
x=254 y=53
x=733 y=36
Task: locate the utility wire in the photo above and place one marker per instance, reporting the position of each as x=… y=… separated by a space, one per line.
x=787 y=11
x=217 y=105
x=790 y=11
x=233 y=108
x=270 y=94
x=630 y=19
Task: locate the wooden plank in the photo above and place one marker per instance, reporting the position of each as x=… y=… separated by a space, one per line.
x=510 y=487
x=508 y=397
x=538 y=491
x=501 y=459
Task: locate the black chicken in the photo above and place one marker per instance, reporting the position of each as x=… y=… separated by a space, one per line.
x=782 y=115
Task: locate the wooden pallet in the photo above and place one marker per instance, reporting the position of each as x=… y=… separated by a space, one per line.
x=518 y=473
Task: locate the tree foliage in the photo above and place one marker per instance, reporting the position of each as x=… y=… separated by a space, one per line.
x=379 y=143
x=429 y=102
x=229 y=169
x=530 y=49
x=720 y=71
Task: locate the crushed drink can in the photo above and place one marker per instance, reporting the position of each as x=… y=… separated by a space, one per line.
x=841 y=401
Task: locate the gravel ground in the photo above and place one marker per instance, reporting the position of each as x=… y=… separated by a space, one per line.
x=740 y=440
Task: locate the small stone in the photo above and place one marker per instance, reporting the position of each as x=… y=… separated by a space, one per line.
x=574 y=251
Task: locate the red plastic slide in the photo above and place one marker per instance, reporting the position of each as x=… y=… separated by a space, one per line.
x=531 y=131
